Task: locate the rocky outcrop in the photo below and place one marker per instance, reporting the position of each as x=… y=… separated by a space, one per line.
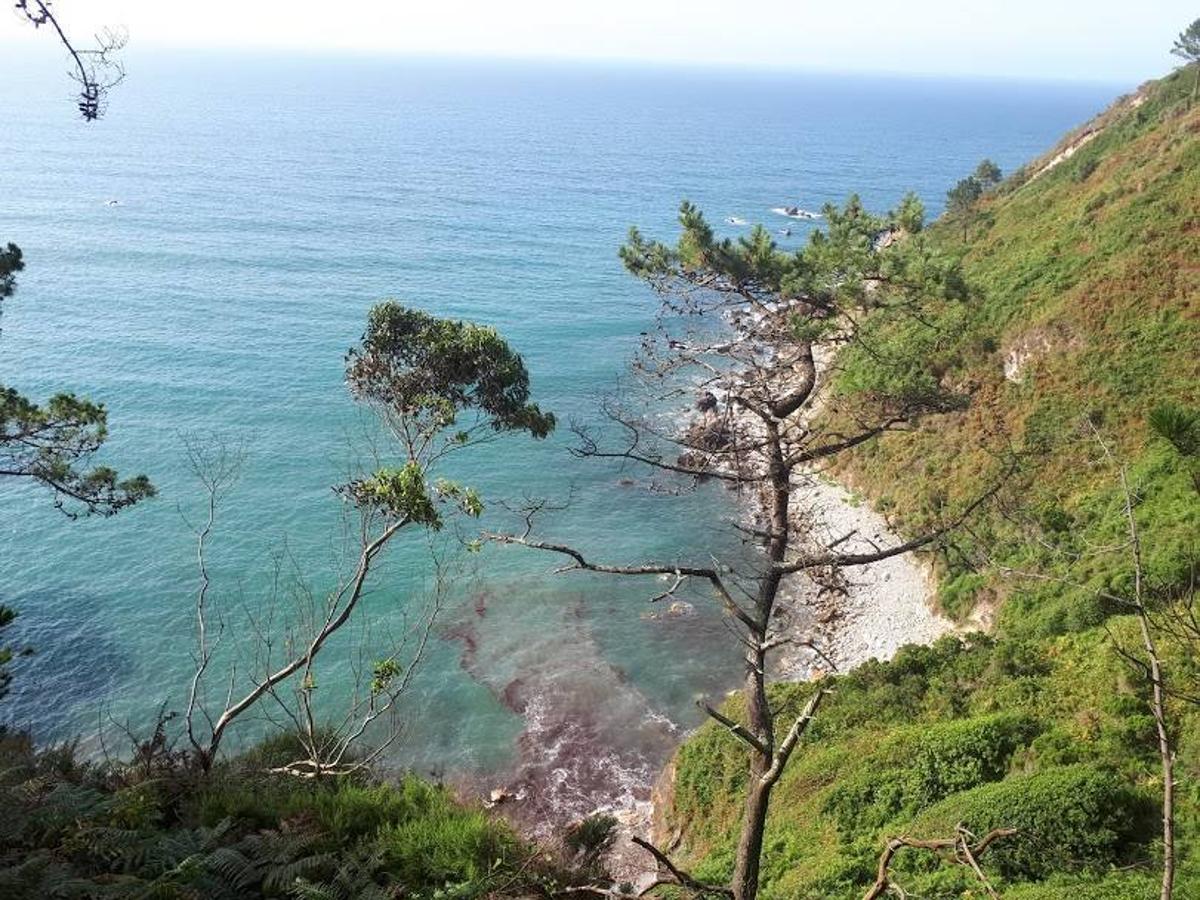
x=1034 y=345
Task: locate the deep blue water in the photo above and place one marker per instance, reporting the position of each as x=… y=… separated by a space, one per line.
x=265 y=204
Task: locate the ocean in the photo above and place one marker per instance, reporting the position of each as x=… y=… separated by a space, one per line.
x=264 y=203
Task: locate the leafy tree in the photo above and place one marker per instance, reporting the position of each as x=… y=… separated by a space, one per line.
x=11 y=263
x=988 y=174
x=758 y=432
x=438 y=386
x=1187 y=48
x=52 y=443
x=910 y=214
x=961 y=200
x=7 y=652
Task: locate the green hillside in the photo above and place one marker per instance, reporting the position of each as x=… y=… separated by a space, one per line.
x=1084 y=317
x=1087 y=277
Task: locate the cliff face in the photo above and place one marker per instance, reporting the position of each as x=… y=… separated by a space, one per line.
x=1084 y=317
x=1086 y=271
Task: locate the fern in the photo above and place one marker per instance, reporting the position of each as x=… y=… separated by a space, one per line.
x=233 y=868
x=64 y=806
x=357 y=878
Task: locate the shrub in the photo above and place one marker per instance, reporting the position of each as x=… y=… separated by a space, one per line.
x=1073 y=818
x=1113 y=886
x=89 y=831
x=450 y=845
x=956 y=596
x=1095 y=203
x=922 y=767
x=592 y=835
x=960 y=755
x=1085 y=169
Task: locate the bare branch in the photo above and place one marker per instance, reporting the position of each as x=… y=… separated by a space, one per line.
x=963 y=854
x=216 y=471
x=97 y=70
x=681 y=877
x=826 y=559
x=784 y=753
x=738 y=731
x=582 y=563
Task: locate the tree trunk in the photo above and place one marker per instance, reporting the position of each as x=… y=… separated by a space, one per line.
x=1158 y=702
x=754 y=824
x=1168 y=770
x=1158 y=705
x=759 y=717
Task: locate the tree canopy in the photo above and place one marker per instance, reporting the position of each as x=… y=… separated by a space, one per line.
x=52 y=443
x=427 y=371
x=11 y=262
x=988 y=174
x=1187 y=44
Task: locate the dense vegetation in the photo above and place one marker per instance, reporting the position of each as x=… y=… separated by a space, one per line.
x=154 y=827
x=1083 y=280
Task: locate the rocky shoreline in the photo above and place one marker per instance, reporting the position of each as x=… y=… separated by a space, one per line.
x=882 y=607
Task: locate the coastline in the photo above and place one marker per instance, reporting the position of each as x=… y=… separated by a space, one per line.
x=884 y=606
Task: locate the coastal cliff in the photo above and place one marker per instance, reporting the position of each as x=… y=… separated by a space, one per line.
x=1085 y=309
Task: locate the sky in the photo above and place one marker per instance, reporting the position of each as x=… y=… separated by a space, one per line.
x=1086 y=40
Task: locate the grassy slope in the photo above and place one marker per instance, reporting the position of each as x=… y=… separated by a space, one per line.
x=1041 y=726
x=1100 y=256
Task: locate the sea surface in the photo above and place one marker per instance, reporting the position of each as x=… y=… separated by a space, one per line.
x=263 y=205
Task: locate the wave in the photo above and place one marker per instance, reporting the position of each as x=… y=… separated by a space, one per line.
x=795 y=212
x=590 y=739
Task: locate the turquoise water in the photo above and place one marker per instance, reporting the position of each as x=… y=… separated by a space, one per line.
x=265 y=204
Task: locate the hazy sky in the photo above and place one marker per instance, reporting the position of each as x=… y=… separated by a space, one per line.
x=1101 y=40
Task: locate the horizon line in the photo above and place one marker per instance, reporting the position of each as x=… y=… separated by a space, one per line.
x=153 y=48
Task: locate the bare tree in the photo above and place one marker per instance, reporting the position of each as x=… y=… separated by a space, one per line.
x=382 y=663
x=96 y=69
x=755 y=334
x=1179 y=622
x=1152 y=667
x=438 y=386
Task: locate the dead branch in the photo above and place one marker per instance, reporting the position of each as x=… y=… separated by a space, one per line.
x=96 y=69
x=959 y=847
x=828 y=559
x=738 y=731
x=784 y=753
x=709 y=574
x=681 y=877
x=216 y=467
